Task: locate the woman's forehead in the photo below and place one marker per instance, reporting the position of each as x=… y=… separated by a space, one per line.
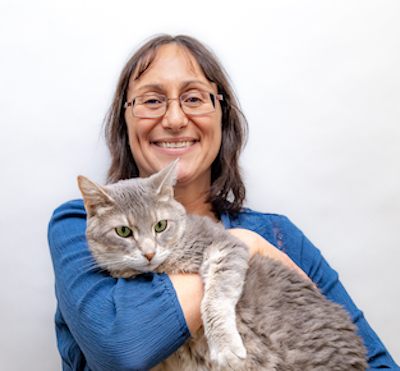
x=158 y=56
x=171 y=65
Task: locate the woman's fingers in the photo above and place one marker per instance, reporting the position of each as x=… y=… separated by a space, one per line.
x=259 y=245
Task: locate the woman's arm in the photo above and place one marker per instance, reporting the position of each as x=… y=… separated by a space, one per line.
x=259 y=245
x=110 y=324
x=189 y=290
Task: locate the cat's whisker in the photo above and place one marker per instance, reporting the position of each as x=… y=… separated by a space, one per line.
x=86 y=258
x=91 y=266
x=89 y=260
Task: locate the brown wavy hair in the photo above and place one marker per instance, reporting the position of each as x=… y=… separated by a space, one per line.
x=227 y=190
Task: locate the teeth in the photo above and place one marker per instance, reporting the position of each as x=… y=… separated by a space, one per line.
x=174 y=144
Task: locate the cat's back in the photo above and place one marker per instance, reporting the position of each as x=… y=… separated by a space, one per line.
x=204 y=230
x=284 y=320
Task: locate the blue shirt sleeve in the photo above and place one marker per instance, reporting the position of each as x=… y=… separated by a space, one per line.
x=104 y=323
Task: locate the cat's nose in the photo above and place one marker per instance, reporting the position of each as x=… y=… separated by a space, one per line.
x=148 y=247
x=149 y=255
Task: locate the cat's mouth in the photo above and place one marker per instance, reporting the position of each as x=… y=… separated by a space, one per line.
x=183 y=144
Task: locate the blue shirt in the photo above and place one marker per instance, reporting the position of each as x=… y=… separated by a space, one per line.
x=103 y=323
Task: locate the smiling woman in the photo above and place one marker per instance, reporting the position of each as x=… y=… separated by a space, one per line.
x=177 y=73
x=108 y=324
x=172 y=67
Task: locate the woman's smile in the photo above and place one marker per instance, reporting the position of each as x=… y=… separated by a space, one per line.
x=175 y=147
x=175 y=144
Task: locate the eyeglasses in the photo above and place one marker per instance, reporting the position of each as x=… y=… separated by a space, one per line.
x=192 y=102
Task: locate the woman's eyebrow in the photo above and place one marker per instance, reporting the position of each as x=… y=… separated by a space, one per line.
x=155 y=87
x=162 y=88
x=193 y=82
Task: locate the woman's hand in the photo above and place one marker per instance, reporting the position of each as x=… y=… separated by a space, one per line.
x=259 y=245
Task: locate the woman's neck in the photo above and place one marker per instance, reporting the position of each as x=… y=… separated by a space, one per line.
x=194 y=200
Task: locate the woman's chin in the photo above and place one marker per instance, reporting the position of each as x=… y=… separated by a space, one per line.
x=182 y=172
x=189 y=175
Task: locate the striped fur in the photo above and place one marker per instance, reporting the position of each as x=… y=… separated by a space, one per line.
x=261 y=316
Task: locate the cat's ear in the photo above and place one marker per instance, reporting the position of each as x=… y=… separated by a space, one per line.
x=165 y=180
x=94 y=195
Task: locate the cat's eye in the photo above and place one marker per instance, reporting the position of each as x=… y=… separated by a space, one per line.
x=160 y=226
x=123 y=231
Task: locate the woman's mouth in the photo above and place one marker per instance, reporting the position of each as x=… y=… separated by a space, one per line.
x=174 y=144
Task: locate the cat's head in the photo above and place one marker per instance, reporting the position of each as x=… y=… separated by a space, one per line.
x=133 y=225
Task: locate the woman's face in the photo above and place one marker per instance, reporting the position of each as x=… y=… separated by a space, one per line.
x=196 y=139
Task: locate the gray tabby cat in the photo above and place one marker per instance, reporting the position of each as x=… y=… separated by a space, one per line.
x=256 y=316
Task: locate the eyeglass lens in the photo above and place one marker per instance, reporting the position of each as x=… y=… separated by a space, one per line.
x=193 y=102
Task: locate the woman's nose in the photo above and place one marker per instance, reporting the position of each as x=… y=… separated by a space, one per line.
x=174 y=119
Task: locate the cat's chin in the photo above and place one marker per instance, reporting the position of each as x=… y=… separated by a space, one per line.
x=148 y=268
x=132 y=272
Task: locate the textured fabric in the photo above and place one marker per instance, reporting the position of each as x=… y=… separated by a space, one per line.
x=108 y=324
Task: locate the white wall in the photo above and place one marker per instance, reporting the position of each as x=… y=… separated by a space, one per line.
x=318 y=80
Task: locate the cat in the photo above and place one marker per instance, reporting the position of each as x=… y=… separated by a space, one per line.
x=257 y=315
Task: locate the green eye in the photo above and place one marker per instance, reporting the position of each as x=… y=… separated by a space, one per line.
x=123 y=231
x=160 y=226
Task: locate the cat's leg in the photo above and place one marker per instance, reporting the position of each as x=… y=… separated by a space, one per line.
x=223 y=271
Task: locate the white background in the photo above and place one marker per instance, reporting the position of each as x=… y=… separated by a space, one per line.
x=319 y=82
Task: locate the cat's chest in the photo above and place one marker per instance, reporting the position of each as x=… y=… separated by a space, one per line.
x=195 y=244
x=185 y=257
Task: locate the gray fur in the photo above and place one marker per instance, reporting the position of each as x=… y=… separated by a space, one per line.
x=257 y=316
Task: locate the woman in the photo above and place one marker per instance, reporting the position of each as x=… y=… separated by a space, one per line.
x=108 y=324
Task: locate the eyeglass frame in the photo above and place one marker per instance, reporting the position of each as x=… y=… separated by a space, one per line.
x=219 y=97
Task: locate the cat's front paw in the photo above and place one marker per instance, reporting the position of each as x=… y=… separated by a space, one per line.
x=230 y=356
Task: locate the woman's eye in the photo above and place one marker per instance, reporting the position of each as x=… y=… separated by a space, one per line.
x=160 y=226
x=193 y=99
x=151 y=100
x=123 y=231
